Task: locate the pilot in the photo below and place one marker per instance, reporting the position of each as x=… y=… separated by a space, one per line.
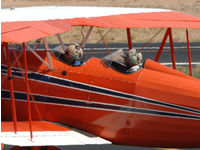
x=132 y=59
x=73 y=54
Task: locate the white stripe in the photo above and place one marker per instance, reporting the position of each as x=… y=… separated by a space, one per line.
x=125 y=111
x=109 y=109
x=121 y=96
x=118 y=96
x=67 y=12
x=115 y=92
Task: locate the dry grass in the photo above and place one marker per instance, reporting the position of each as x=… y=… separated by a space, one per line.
x=119 y=35
x=195 y=70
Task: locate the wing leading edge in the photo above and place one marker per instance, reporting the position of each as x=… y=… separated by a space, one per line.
x=109 y=17
x=23 y=31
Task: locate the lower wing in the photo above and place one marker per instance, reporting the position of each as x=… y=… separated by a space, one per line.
x=45 y=134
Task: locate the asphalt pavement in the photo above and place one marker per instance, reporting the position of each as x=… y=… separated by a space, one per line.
x=150 y=51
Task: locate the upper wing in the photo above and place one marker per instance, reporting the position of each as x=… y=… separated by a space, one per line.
x=163 y=19
x=110 y=17
x=25 y=24
x=45 y=134
x=22 y=31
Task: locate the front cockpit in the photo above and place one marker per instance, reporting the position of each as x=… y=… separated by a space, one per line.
x=71 y=55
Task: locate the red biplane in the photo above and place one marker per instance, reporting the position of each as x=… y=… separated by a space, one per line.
x=155 y=107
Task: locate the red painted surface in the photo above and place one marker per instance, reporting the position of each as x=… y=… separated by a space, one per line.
x=14 y=117
x=37 y=126
x=128 y=31
x=168 y=19
x=2 y=145
x=189 y=52
x=172 y=49
x=162 y=45
x=31 y=30
x=154 y=81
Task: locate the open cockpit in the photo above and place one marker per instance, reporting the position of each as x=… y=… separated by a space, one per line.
x=117 y=62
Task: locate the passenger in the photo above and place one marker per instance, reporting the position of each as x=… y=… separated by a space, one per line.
x=73 y=54
x=132 y=59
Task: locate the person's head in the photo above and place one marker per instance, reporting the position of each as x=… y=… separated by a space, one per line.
x=132 y=58
x=73 y=52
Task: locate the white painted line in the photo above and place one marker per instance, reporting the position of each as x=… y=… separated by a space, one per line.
x=181 y=63
x=146 y=48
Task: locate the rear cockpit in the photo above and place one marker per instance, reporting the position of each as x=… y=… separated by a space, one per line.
x=117 y=62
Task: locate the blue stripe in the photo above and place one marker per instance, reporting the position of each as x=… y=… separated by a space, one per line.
x=82 y=86
x=83 y=104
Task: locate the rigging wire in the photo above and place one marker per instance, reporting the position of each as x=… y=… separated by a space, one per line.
x=150 y=40
x=83 y=36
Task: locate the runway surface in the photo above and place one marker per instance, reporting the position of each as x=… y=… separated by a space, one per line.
x=148 y=51
x=181 y=55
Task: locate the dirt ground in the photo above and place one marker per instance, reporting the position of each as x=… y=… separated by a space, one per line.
x=119 y=35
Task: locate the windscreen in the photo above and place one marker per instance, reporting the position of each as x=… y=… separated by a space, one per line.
x=113 y=57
